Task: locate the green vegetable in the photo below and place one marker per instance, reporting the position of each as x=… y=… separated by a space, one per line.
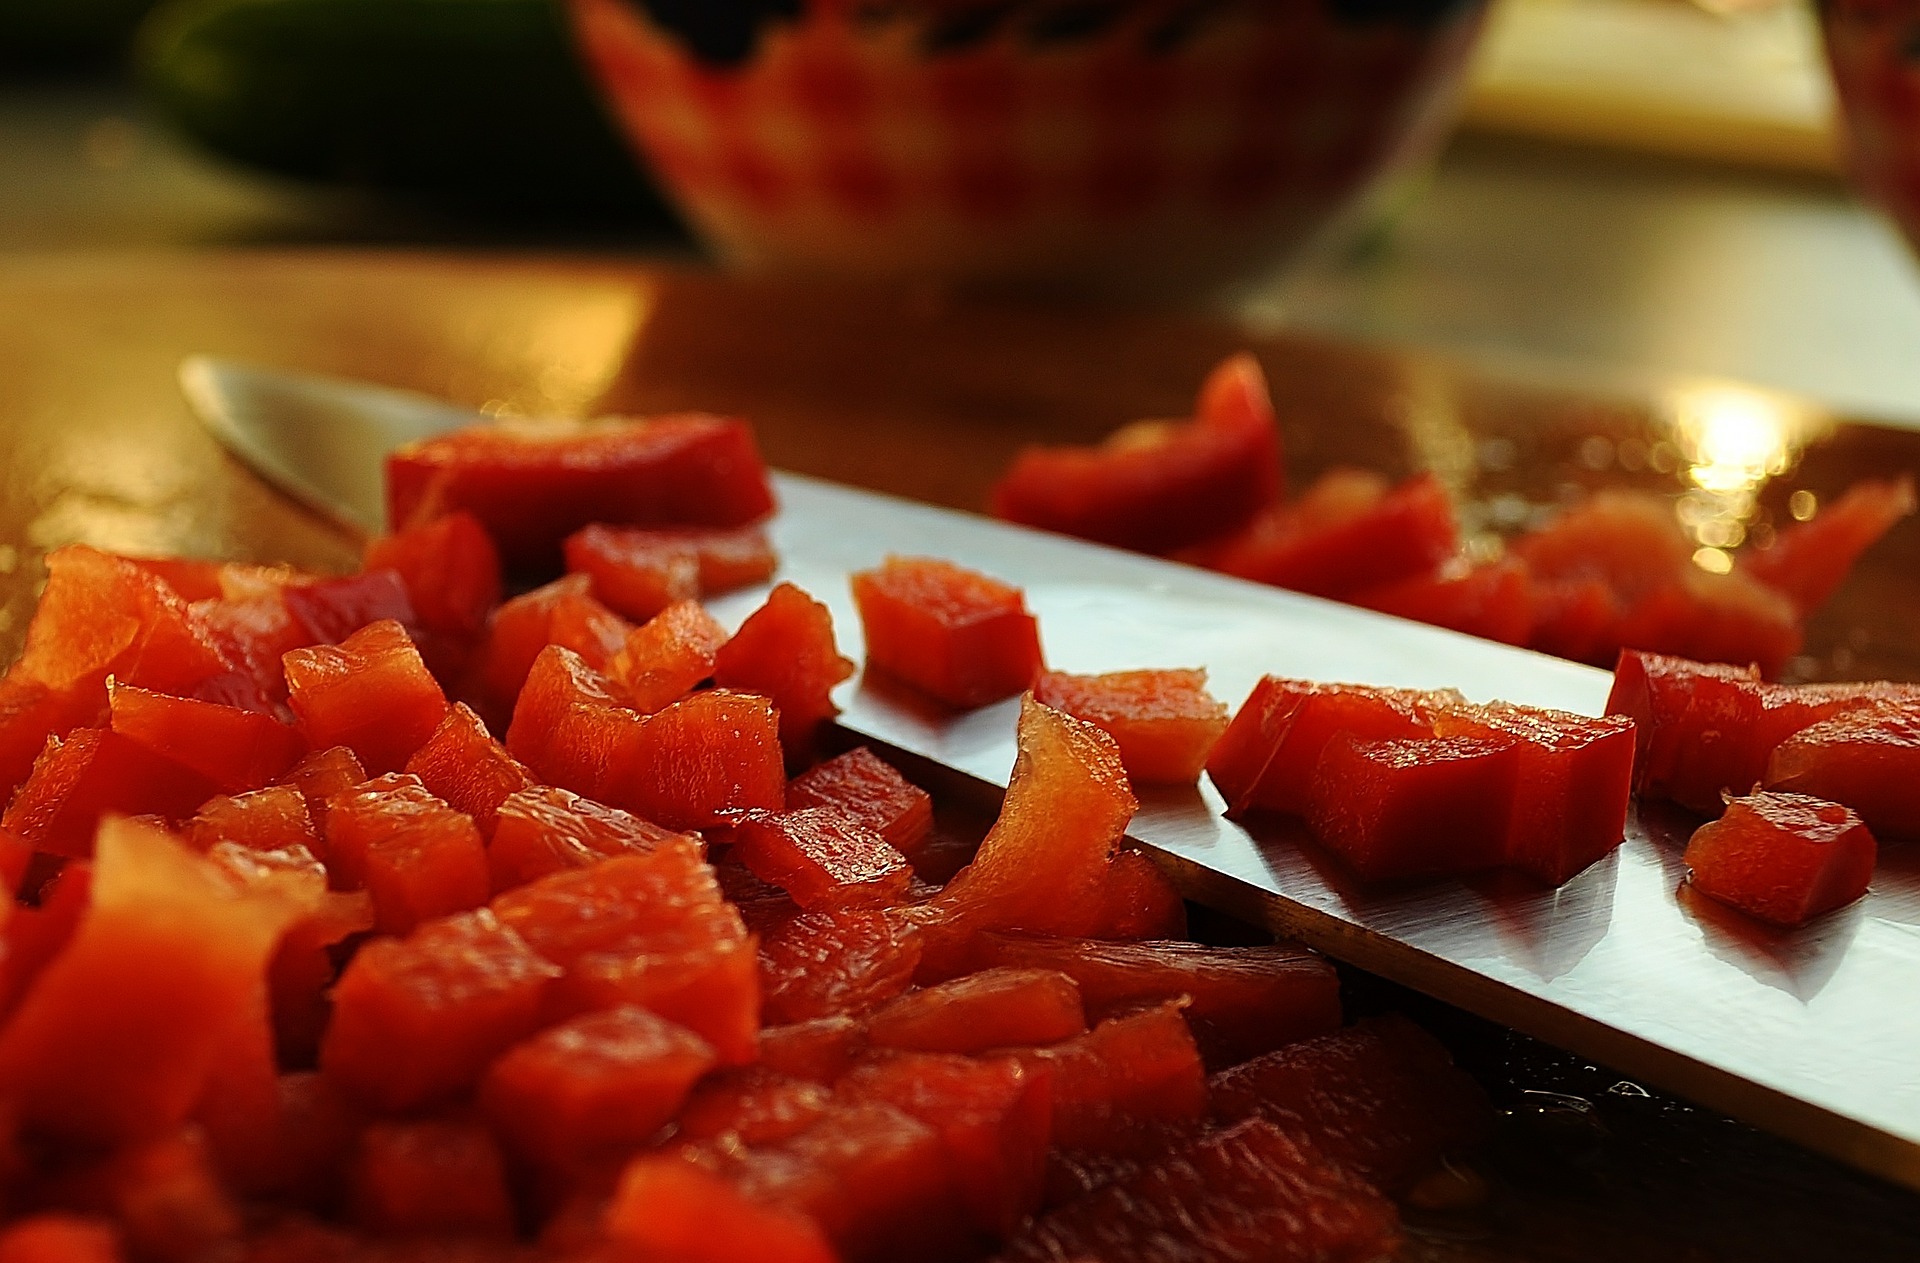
x=483 y=99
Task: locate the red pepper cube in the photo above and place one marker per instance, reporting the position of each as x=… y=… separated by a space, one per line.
x=271 y=819
x=1577 y=619
x=463 y=765
x=327 y=611
x=1630 y=541
x=1381 y=1099
x=370 y=693
x=544 y=829
x=1494 y=600
x=993 y=1116
x=785 y=651
x=516 y=631
x=1866 y=759
x=823 y=858
x=32 y=936
x=1427 y=807
x=1268 y=756
x=634 y=572
x=167 y=1197
x=103 y=615
x=603 y=1081
x=700 y=760
x=1241 y=1001
x=960 y=636
x=450 y=569
x=235 y=749
x=662 y=662
x=1139 y=901
x=1570 y=792
x=867 y=788
x=93 y=773
x=532 y=484
x=1337 y=540
x=755 y=1104
x=995 y=1008
x=1249 y=1191
x=568 y=727
x=117 y=1037
x=834 y=963
x=1809 y=560
x=30 y=714
x=1155 y=486
x=417 y=857
x=1114 y=1084
x=321 y=775
x=1716 y=618
x=417 y=1020
x=430 y=1175
x=1165 y=722
x=1784 y=858
x=669 y=1207
x=651 y=930
x=1039 y=868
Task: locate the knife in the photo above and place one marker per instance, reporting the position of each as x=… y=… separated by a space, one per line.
x=1813 y=1033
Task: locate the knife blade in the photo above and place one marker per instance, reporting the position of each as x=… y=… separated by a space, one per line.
x=1809 y=1033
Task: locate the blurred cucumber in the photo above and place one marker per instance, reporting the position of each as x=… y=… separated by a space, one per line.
x=481 y=99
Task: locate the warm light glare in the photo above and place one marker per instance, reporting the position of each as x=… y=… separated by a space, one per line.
x=1730 y=442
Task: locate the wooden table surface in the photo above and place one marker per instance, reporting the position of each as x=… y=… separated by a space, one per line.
x=909 y=393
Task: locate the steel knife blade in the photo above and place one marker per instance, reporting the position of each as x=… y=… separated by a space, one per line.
x=1810 y=1033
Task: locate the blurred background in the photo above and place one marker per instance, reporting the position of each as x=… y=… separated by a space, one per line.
x=1636 y=186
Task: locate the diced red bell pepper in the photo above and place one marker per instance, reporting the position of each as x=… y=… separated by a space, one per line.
x=1335 y=541
x=321 y=775
x=1493 y=600
x=834 y=963
x=34 y=935
x=569 y=728
x=1381 y=1099
x=1571 y=788
x=370 y=693
x=417 y=857
x=1250 y=1191
x=1784 y=858
x=118 y=1035
x=1038 y=869
x=823 y=858
x=1138 y=901
x=755 y=1104
x=958 y=635
x=30 y=713
x=650 y=930
x=1715 y=618
x=1156 y=486
x=327 y=611
x=1413 y=808
x=544 y=829
x=785 y=652
x=662 y=662
x=104 y=615
x=1629 y=541
x=430 y=1175
x=59 y=1237
x=516 y=632
x=993 y=1116
x=1165 y=721
x=820 y=1049
x=235 y=749
x=168 y=1198
x=91 y=773
x=1808 y=560
x=700 y=760
x=640 y=571
x=669 y=1207
x=867 y=788
x=1266 y=759
x=600 y=1082
x=1242 y=1001
x=450 y=569
x=1866 y=758
x=417 y=1020
x=1701 y=729
x=1112 y=1085
x=252 y=633
x=1578 y=619
x=533 y=484
x=463 y=765
x=271 y=819
x=995 y=1008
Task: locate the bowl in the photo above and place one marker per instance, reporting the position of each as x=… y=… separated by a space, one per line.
x=1873 y=49
x=1124 y=145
